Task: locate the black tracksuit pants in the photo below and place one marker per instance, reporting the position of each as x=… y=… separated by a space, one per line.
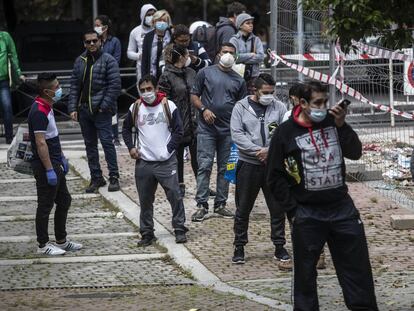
x=47 y=196
x=342 y=229
x=250 y=178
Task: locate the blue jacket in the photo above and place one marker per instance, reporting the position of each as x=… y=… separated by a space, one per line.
x=112 y=46
x=104 y=84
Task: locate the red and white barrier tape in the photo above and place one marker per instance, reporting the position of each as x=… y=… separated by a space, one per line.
x=345 y=89
x=382 y=53
x=325 y=56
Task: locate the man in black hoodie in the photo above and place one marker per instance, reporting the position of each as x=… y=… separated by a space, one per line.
x=306 y=174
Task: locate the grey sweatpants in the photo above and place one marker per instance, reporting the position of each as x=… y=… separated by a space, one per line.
x=147 y=176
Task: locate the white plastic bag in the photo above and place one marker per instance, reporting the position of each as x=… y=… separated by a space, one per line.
x=20 y=152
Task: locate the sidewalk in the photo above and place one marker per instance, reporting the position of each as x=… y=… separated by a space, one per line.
x=111 y=273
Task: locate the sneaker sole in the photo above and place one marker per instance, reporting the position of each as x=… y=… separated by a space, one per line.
x=241 y=262
x=198 y=219
x=181 y=242
x=281 y=260
x=114 y=190
x=147 y=244
x=226 y=217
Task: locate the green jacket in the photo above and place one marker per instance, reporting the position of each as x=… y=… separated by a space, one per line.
x=8 y=53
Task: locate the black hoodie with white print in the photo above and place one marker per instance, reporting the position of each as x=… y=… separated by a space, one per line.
x=306 y=164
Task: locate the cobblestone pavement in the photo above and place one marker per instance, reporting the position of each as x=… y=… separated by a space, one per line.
x=391 y=250
x=109 y=273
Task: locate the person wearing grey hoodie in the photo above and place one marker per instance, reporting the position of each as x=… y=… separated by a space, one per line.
x=249 y=47
x=136 y=37
x=225 y=28
x=252 y=124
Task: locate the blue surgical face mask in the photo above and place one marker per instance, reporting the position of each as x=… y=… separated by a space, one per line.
x=161 y=26
x=58 y=95
x=318 y=115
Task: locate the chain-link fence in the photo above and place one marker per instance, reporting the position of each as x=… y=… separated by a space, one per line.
x=387 y=138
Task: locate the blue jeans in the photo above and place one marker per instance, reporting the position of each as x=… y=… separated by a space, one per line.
x=6 y=107
x=207 y=146
x=92 y=126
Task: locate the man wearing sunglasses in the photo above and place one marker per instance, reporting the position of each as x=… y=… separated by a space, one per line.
x=306 y=174
x=95 y=86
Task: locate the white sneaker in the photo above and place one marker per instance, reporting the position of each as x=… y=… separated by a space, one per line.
x=69 y=246
x=51 y=250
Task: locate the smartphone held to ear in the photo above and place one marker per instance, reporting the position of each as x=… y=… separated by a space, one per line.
x=344 y=103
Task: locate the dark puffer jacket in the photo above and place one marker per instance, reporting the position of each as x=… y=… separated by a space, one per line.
x=104 y=87
x=177 y=83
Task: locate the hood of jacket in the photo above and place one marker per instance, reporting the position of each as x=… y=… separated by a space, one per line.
x=144 y=10
x=224 y=21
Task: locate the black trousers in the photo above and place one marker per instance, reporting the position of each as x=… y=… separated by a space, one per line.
x=47 y=196
x=250 y=178
x=180 y=159
x=344 y=232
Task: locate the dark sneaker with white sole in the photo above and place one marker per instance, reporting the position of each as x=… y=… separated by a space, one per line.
x=200 y=213
x=223 y=211
x=180 y=237
x=238 y=256
x=283 y=258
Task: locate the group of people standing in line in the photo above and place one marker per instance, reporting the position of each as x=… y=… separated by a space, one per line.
x=189 y=100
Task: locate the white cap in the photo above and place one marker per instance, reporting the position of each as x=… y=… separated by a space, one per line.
x=197 y=24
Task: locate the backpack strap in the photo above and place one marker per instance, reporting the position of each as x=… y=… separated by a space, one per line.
x=167 y=112
x=135 y=111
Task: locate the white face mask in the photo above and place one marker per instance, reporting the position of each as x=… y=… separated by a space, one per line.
x=99 y=30
x=148 y=97
x=187 y=62
x=266 y=100
x=148 y=20
x=227 y=60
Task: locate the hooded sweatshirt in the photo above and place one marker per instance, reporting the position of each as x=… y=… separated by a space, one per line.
x=251 y=132
x=136 y=37
x=306 y=162
x=225 y=29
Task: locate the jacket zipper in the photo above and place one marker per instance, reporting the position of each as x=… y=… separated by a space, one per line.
x=90 y=89
x=84 y=74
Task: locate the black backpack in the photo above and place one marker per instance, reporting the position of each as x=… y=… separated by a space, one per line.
x=207 y=37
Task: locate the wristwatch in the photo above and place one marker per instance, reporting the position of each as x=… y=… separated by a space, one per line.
x=202 y=109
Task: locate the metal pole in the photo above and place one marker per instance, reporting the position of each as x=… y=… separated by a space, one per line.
x=332 y=89
x=94 y=9
x=205 y=10
x=273 y=32
x=300 y=35
x=391 y=76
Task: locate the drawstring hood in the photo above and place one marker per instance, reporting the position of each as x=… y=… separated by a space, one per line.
x=296 y=112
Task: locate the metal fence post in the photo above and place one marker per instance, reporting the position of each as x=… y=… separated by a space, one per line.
x=300 y=35
x=391 y=92
x=273 y=32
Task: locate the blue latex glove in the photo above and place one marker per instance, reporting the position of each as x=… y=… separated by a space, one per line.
x=51 y=177
x=65 y=165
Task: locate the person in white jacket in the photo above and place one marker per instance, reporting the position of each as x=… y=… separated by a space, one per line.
x=136 y=37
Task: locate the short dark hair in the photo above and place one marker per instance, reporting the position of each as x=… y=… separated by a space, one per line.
x=228 y=44
x=148 y=78
x=263 y=79
x=44 y=81
x=105 y=20
x=310 y=87
x=295 y=89
x=176 y=52
x=180 y=30
x=90 y=32
x=235 y=8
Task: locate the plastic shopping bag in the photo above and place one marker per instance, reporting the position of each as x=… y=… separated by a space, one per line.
x=20 y=152
x=230 y=174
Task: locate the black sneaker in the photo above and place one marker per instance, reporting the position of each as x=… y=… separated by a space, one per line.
x=212 y=193
x=117 y=143
x=113 y=184
x=95 y=184
x=200 y=214
x=223 y=211
x=9 y=140
x=180 y=237
x=281 y=254
x=146 y=241
x=238 y=257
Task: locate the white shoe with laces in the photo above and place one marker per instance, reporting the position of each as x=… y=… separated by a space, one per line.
x=70 y=246
x=51 y=250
